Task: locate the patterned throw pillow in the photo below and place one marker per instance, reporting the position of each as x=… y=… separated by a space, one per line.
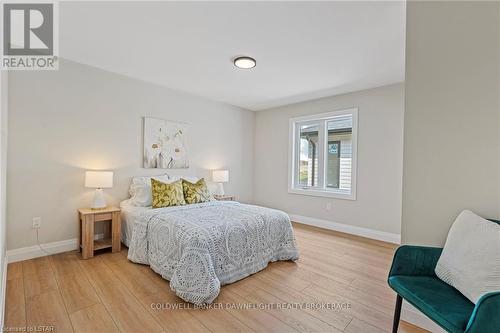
x=166 y=195
x=197 y=192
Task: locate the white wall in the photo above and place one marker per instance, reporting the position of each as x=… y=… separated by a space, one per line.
x=3 y=186
x=452 y=132
x=380 y=157
x=64 y=122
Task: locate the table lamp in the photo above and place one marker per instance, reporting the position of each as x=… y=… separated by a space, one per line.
x=219 y=177
x=98 y=180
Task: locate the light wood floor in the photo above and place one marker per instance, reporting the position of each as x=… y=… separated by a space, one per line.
x=110 y=294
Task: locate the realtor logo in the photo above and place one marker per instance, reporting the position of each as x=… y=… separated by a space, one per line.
x=29 y=38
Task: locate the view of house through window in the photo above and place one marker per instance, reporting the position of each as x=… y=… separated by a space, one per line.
x=323 y=153
x=308 y=162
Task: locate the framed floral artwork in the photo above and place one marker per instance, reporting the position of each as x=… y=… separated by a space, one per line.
x=165 y=144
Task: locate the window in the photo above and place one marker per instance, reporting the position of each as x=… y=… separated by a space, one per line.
x=323 y=154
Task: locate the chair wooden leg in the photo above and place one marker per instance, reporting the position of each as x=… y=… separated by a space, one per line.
x=397 y=314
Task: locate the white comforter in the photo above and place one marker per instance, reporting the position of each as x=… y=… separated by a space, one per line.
x=200 y=247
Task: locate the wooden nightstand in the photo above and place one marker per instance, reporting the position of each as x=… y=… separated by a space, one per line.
x=87 y=218
x=225 y=197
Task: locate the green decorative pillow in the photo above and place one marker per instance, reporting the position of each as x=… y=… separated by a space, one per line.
x=197 y=192
x=166 y=195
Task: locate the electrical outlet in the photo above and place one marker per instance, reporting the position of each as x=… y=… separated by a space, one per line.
x=37 y=222
x=329 y=206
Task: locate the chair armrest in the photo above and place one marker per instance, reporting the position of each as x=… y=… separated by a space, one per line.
x=415 y=260
x=485 y=317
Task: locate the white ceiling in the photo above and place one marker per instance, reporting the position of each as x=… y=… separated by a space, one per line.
x=303 y=50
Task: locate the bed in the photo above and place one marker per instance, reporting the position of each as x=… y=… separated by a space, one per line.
x=201 y=247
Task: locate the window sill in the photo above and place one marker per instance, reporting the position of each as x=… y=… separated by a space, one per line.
x=320 y=193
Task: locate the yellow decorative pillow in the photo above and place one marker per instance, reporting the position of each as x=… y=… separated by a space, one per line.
x=166 y=195
x=197 y=192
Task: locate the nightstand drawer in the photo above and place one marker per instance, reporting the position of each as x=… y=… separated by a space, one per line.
x=103 y=217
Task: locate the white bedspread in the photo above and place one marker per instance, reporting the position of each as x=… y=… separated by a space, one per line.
x=200 y=247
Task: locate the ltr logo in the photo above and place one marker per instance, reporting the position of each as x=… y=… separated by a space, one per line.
x=28 y=29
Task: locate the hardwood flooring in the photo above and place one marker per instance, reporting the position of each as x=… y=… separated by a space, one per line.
x=110 y=294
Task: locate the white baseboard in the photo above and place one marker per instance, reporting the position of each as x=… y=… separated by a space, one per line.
x=34 y=251
x=348 y=229
x=411 y=315
x=31 y=252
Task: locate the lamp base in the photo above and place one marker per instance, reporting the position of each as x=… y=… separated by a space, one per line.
x=220 y=189
x=99 y=202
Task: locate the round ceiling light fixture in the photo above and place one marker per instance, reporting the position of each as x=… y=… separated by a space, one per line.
x=245 y=62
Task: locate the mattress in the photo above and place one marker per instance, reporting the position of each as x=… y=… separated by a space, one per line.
x=131 y=215
x=200 y=247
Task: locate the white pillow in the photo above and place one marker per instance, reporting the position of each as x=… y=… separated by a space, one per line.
x=191 y=179
x=140 y=190
x=470 y=261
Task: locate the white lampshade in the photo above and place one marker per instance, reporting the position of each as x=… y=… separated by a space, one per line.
x=99 y=179
x=220 y=176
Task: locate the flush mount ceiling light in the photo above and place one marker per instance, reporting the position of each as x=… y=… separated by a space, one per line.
x=245 y=62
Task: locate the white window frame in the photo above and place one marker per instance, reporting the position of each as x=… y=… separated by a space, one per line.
x=294 y=148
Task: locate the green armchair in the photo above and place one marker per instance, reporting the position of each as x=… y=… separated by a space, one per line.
x=412 y=277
